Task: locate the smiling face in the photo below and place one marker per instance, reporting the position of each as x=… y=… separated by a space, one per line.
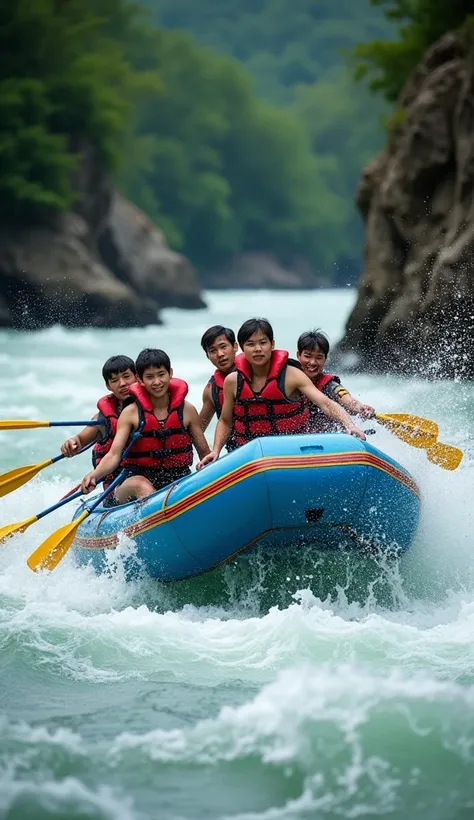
x=119 y=384
x=258 y=349
x=312 y=361
x=156 y=381
x=221 y=353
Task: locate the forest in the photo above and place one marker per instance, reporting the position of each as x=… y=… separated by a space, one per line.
x=234 y=124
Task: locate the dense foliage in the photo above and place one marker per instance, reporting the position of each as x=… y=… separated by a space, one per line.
x=420 y=23
x=220 y=170
x=245 y=132
x=282 y=43
x=298 y=55
x=63 y=77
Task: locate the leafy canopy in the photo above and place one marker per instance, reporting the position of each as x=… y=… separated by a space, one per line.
x=420 y=23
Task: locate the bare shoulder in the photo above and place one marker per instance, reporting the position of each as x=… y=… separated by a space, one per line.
x=129 y=418
x=129 y=414
x=230 y=386
x=190 y=413
x=294 y=376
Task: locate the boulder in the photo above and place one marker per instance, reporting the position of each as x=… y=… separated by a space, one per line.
x=48 y=276
x=136 y=251
x=102 y=265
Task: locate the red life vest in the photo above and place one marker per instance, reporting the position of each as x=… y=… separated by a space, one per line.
x=318 y=421
x=108 y=407
x=269 y=412
x=324 y=379
x=162 y=444
x=216 y=384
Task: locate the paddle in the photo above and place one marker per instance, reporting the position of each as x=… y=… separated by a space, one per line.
x=26 y=424
x=54 y=548
x=422 y=433
x=70 y=491
x=413 y=430
x=21 y=475
x=445 y=455
x=21 y=526
x=410 y=420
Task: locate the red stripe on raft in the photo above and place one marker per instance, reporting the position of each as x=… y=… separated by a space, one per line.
x=159 y=517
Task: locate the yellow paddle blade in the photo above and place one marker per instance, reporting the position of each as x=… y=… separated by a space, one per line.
x=416 y=422
x=405 y=432
x=16 y=478
x=21 y=424
x=445 y=456
x=20 y=526
x=54 y=548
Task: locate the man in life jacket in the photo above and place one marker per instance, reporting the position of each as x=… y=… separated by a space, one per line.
x=264 y=396
x=313 y=349
x=118 y=373
x=220 y=347
x=169 y=427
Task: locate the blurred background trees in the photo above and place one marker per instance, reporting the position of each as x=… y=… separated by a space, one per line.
x=244 y=132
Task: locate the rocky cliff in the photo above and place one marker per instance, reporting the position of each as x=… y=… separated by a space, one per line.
x=104 y=265
x=415 y=307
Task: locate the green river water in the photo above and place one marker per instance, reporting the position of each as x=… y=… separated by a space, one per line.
x=317 y=688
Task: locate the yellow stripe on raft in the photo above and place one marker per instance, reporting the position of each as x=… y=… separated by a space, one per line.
x=362 y=459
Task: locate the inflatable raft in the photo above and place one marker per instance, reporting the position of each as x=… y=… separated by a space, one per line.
x=278 y=493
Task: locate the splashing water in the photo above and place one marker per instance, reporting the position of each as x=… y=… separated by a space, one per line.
x=331 y=686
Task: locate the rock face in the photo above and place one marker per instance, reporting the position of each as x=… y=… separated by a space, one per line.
x=263 y=270
x=136 y=251
x=48 y=276
x=415 y=308
x=105 y=265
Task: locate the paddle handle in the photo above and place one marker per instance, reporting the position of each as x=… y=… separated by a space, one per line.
x=79 y=492
x=71 y=495
x=59 y=504
x=120 y=476
x=89 y=423
x=82 y=450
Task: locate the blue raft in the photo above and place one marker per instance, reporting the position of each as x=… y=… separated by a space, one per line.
x=329 y=490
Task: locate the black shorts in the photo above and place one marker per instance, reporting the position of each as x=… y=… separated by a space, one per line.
x=158 y=478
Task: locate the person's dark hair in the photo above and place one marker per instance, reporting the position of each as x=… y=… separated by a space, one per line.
x=151 y=357
x=312 y=339
x=251 y=326
x=115 y=365
x=213 y=332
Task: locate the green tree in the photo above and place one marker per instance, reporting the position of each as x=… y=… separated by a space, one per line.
x=219 y=169
x=298 y=54
x=387 y=65
x=63 y=76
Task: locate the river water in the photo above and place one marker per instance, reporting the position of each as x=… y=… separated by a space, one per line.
x=323 y=688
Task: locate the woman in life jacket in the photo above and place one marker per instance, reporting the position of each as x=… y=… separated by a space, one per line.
x=312 y=352
x=220 y=347
x=265 y=395
x=169 y=427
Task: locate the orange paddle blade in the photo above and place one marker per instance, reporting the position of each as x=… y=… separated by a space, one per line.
x=20 y=526
x=21 y=475
x=415 y=422
x=410 y=434
x=445 y=456
x=54 y=548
